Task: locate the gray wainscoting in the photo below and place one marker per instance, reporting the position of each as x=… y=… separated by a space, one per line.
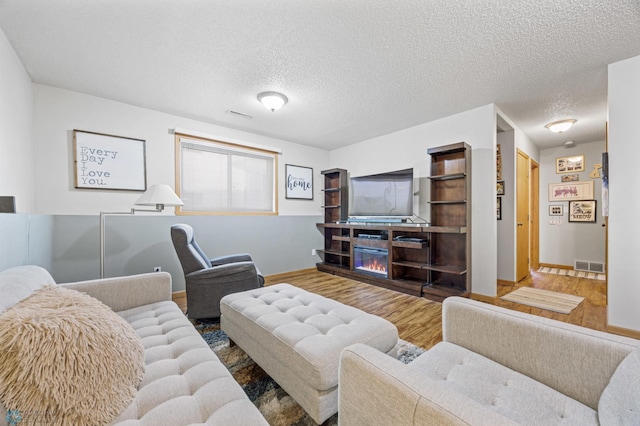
x=68 y=245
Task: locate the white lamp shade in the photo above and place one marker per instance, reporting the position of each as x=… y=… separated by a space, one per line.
x=159 y=194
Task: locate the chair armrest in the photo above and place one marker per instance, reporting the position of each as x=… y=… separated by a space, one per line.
x=222 y=260
x=122 y=293
x=231 y=272
x=575 y=361
x=376 y=389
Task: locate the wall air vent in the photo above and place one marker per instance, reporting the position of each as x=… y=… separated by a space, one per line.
x=585 y=265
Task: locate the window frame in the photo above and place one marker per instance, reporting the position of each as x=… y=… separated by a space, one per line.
x=232 y=147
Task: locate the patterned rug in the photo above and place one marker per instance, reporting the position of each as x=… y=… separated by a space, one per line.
x=273 y=402
x=572 y=273
x=544 y=299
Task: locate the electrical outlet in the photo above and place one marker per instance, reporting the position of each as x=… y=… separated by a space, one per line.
x=157 y=269
x=314 y=252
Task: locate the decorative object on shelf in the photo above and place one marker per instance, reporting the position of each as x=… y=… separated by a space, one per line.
x=498 y=163
x=556 y=210
x=572 y=164
x=272 y=101
x=104 y=161
x=499 y=208
x=560 y=126
x=570 y=178
x=582 y=211
x=595 y=173
x=581 y=190
x=500 y=187
x=157 y=195
x=299 y=182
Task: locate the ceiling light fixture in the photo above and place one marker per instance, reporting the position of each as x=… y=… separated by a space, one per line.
x=560 y=126
x=569 y=144
x=273 y=101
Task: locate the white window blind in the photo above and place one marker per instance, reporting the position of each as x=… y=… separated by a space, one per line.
x=222 y=178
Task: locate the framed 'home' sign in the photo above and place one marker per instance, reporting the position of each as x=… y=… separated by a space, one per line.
x=109 y=162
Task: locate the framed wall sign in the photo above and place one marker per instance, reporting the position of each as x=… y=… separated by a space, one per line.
x=582 y=190
x=582 y=211
x=556 y=210
x=572 y=164
x=109 y=162
x=299 y=182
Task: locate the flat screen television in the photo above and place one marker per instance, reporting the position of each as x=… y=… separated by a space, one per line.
x=381 y=196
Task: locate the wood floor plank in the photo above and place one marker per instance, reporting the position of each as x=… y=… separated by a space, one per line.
x=419 y=320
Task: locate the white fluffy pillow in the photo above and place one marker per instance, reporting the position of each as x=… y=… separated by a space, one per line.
x=68 y=356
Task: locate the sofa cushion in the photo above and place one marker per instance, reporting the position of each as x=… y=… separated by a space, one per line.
x=460 y=373
x=67 y=354
x=184 y=382
x=620 y=400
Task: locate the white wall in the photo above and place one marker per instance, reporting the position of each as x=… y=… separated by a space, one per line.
x=16 y=137
x=408 y=148
x=624 y=202
x=506 y=232
x=562 y=244
x=58 y=112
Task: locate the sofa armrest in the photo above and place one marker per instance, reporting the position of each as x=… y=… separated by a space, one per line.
x=121 y=293
x=376 y=389
x=575 y=361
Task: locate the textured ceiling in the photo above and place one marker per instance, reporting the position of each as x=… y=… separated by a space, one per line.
x=352 y=70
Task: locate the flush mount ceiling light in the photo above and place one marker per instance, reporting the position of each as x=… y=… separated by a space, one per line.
x=560 y=126
x=273 y=101
x=569 y=144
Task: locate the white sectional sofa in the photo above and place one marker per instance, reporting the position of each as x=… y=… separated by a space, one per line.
x=184 y=382
x=496 y=367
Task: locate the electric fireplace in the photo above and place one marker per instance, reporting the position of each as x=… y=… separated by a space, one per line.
x=371 y=260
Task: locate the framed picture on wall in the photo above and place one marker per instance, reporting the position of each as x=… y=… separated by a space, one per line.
x=299 y=182
x=571 y=178
x=500 y=187
x=582 y=190
x=572 y=164
x=499 y=208
x=582 y=211
x=104 y=161
x=556 y=210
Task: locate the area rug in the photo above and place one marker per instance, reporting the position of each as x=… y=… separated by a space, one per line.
x=273 y=402
x=544 y=299
x=573 y=273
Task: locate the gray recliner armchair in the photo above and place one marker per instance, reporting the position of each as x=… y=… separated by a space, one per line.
x=208 y=280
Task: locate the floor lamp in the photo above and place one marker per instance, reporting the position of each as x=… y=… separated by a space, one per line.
x=157 y=195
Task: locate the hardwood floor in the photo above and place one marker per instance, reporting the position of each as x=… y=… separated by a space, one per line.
x=419 y=320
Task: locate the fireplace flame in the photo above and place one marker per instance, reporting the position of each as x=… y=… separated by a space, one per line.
x=374 y=265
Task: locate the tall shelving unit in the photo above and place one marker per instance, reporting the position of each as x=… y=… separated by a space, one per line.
x=449 y=271
x=337 y=248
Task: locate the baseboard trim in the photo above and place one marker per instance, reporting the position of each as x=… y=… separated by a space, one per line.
x=634 y=334
x=507 y=283
x=483 y=298
x=179 y=293
x=551 y=265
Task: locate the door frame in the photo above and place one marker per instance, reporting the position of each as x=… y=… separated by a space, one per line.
x=534 y=215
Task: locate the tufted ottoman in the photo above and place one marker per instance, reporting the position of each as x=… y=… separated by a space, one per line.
x=297 y=336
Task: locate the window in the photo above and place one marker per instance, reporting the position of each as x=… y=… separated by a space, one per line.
x=217 y=177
